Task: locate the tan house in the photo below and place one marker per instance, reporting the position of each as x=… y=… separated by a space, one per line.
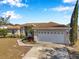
x=50 y=32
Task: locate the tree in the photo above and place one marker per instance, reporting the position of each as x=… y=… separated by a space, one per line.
x=4 y=21
x=29 y=33
x=74 y=25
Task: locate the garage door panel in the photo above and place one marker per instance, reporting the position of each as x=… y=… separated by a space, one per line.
x=57 y=38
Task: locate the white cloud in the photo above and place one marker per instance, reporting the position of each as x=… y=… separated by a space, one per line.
x=12 y=13
x=62 y=8
x=14 y=3
x=69 y=1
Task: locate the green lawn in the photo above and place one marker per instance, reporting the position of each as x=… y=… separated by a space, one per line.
x=9 y=49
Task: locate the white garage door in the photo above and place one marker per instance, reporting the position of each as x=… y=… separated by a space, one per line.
x=56 y=37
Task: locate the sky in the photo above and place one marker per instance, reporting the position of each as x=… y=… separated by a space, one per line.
x=36 y=11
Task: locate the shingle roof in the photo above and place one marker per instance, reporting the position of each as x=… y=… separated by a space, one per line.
x=45 y=25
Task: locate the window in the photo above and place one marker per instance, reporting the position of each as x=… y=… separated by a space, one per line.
x=61 y=32
x=67 y=33
x=44 y=32
x=54 y=32
x=39 y=32
x=47 y=32
x=51 y=32
x=58 y=32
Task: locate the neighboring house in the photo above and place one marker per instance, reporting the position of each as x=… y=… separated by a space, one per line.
x=50 y=32
x=12 y=29
x=3 y=27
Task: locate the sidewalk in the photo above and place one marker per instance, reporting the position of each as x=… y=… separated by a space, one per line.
x=33 y=53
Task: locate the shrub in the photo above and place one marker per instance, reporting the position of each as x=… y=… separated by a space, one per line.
x=3 y=32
